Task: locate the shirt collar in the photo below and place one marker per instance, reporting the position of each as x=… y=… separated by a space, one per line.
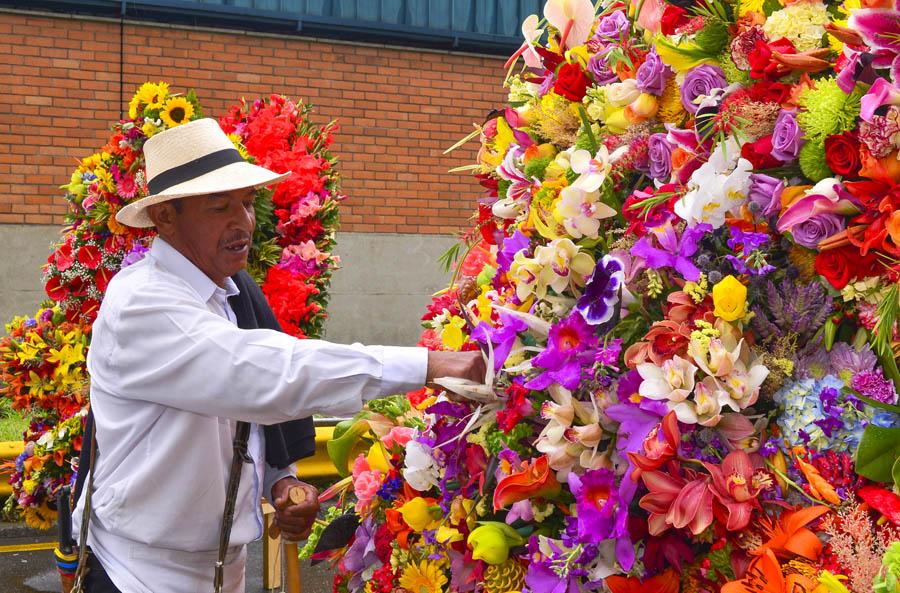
x=179 y=265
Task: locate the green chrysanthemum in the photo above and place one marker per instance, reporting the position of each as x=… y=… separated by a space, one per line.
x=828 y=110
x=732 y=72
x=812 y=160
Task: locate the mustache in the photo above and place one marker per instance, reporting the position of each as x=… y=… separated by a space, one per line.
x=235 y=237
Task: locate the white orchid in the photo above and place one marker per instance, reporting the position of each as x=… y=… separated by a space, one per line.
x=705 y=407
x=674 y=381
x=717 y=188
x=592 y=170
x=421 y=470
x=563 y=264
x=580 y=212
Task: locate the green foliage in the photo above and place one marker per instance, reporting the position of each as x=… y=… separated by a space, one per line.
x=503 y=186
x=877 y=453
x=713 y=38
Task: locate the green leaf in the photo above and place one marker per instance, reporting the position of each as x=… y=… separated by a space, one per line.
x=895 y=473
x=830 y=332
x=877 y=453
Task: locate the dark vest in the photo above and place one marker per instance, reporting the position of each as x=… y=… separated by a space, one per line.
x=286 y=442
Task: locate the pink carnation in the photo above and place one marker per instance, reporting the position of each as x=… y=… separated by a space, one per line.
x=366 y=486
x=360 y=465
x=398 y=436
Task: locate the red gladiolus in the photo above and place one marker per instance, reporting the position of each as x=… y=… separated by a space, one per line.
x=535 y=480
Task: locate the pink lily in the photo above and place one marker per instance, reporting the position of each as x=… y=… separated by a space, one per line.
x=572 y=18
x=880 y=93
x=880 y=29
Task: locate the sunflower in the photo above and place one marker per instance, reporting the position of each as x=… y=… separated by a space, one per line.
x=176 y=111
x=40 y=517
x=151 y=94
x=236 y=140
x=426 y=577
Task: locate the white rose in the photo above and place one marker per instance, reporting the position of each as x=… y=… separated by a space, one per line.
x=621 y=94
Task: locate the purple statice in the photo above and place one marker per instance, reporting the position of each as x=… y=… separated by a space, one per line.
x=137 y=253
x=844 y=358
x=874 y=385
x=791 y=307
x=599 y=69
x=602 y=292
x=653 y=74
x=750 y=259
x=511 y=246
x=570 y=347
x=501 y=337
x=765 y=194
x=673 y=251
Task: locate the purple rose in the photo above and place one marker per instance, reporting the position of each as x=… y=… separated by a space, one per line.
x=599 y=69
x=653 y=74
x=660 y=157
x=787 y=137
x=699 y=82
x=765 y=192
x=613 y=26
x=817 y=228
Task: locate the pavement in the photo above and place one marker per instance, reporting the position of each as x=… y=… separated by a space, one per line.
x=24 y=569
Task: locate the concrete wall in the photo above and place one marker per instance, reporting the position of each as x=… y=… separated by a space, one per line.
x=377 y=296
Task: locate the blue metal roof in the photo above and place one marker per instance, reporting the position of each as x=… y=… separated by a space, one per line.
x=490 y=26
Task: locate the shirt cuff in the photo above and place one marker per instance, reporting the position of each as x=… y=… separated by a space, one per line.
x=273 y=475
x=403 y=369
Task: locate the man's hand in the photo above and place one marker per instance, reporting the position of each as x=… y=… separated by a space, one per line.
x=294 y=521
x=463 y=365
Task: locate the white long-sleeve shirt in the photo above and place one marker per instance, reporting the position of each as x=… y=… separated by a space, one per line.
x=171 y=374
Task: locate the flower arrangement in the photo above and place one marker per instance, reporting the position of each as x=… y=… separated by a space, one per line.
x=42 y=358
x=292 y=257
x=683 y=277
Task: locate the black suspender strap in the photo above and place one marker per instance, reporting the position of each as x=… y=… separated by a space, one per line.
x=241 y=438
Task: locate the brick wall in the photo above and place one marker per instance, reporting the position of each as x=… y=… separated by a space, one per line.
x=398 y=108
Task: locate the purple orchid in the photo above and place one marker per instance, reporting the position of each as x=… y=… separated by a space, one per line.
x=673 y=251
x=601 y=293
x=602 y=514
x=749 y=259
x=361 y=553
x=520 y=186
x=570 y=347
x=511 y=246
x=501 y=337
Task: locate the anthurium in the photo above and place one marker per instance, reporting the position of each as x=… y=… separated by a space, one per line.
x=341 y=448
x=534 y=480
x=572 y=18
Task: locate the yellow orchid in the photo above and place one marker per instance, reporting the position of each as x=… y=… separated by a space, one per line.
x=419 y=514
x=452 y=334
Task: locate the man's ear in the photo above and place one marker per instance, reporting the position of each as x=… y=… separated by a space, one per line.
x=163 y=216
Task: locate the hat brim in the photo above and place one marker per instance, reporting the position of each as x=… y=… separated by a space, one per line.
x=228 y=178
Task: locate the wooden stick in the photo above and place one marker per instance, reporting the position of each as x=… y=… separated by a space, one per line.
x=296 y=495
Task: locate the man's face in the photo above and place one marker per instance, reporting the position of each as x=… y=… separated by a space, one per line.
x=213 y=231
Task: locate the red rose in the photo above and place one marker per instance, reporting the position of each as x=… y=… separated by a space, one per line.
x=572 y=82
x=759 y=153
x=840 y=266
x=760 y=57
x=673 y=17
x=842 y=154
x=89 y=256
x=766 y=91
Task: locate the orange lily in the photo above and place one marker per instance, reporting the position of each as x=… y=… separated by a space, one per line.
x=536 y=479
x=818 y=486
x=765 y=576
x=788 y=535
x=666 y=582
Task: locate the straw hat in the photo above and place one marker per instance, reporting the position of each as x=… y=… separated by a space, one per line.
x=193 y=159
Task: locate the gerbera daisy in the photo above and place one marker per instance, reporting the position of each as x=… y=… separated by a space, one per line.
x=176 y=111
x=425 y=577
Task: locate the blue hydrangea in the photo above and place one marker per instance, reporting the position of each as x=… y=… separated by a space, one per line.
x=815 y=413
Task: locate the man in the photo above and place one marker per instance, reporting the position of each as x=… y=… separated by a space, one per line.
x=171 y=374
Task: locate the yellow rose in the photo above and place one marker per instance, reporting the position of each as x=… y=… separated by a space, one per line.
x=419 y=515
x=730 y=299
